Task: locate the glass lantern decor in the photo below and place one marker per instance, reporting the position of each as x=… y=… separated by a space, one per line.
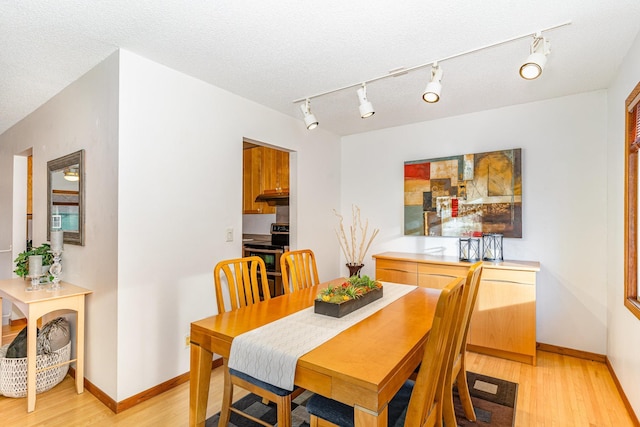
x=492 y=247
x=469 y=249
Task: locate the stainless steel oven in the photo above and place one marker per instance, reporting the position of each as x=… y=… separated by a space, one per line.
x=271 y=257
x=270 y=252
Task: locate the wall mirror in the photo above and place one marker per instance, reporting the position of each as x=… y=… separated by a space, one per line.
x=65 y=197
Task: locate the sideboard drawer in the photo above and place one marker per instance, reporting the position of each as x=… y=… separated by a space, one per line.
x=404 y=266
x=396 y=276
x=444 y=270
x=397 y=271
x=502 y=275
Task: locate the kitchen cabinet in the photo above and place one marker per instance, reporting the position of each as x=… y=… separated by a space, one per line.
x=251 y=171
x=503 y=323
x=264 y=169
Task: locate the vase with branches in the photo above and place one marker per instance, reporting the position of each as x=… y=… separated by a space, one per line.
x=355 y=239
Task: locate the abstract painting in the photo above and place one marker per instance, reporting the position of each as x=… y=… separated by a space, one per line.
x=464 y=195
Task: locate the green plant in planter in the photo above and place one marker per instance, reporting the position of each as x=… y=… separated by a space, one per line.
x=22 y=262
x=352 y=288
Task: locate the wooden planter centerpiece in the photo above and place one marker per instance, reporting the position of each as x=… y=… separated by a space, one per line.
x=354 y=293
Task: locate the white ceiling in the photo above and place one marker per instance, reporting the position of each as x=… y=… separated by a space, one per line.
x=274 y=52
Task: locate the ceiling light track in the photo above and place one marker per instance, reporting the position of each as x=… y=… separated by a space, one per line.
x=537 y=59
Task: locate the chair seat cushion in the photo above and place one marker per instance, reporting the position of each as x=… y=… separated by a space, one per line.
x=277 y=390
x=342 y=415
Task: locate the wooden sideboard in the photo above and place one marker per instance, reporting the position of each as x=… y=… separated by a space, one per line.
x=504 y=318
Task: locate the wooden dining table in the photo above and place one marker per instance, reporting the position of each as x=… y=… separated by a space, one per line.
x=363 y=366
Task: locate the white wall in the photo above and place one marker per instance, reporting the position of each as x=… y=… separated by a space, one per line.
x=19 y=241
x=564 y=199
x=82 y=116
x=180 y=187
x=20 y=172
x=623 y=327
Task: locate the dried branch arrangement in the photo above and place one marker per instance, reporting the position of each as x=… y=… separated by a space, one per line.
x=356 y=242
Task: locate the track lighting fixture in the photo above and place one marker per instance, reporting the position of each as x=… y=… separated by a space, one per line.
x=434 y=87
x=533 y=66
x=531 y=69
x=366 y=108
x=309 y=119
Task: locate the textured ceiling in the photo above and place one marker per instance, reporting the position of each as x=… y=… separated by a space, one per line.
x=277 y=52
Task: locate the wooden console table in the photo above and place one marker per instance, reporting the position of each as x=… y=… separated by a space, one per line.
x=36 y=304
x=504 y=319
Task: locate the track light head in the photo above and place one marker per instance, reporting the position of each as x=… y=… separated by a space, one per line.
x=309 y=119
x=533 y=66
x=434 y=87
x=366 y=108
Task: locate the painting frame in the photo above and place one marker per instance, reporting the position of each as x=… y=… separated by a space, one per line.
x=464 y=195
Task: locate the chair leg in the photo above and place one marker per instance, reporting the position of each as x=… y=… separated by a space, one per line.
x=284 y=411
x=227 y=397
x=448 y=410
x=463 y=391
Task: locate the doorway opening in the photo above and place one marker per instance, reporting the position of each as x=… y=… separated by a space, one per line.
x=265 y=206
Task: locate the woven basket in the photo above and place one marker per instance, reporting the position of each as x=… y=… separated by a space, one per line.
x=13 y=371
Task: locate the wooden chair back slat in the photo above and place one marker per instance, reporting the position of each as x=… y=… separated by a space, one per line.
x=246 y=282
x=298 y=270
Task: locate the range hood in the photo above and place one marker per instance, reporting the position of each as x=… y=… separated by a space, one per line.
x=274 y=198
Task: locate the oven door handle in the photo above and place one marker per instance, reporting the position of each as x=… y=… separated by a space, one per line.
x=264 y=251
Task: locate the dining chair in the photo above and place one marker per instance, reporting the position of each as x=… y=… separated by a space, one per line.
x=246 y=283
x=417 y=403
x=458 y=370
x=299 y=269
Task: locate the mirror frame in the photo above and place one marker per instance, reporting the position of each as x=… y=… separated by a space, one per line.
x=77 y=158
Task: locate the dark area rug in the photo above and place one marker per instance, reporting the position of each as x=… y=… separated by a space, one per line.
x=494 y=402
x=254 y=406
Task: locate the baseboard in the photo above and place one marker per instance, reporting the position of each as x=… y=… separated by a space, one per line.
x=517 y=357
x=571 y=352
x=152 y=392
x=132 y=401
x=626 y=402
x=18 y=322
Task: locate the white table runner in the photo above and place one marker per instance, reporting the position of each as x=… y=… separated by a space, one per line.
x=270 y=353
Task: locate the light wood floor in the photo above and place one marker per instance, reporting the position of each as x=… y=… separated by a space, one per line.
x=560 y=391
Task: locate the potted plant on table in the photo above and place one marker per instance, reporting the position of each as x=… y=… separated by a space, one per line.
x=352 y=294
x=22 y=262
